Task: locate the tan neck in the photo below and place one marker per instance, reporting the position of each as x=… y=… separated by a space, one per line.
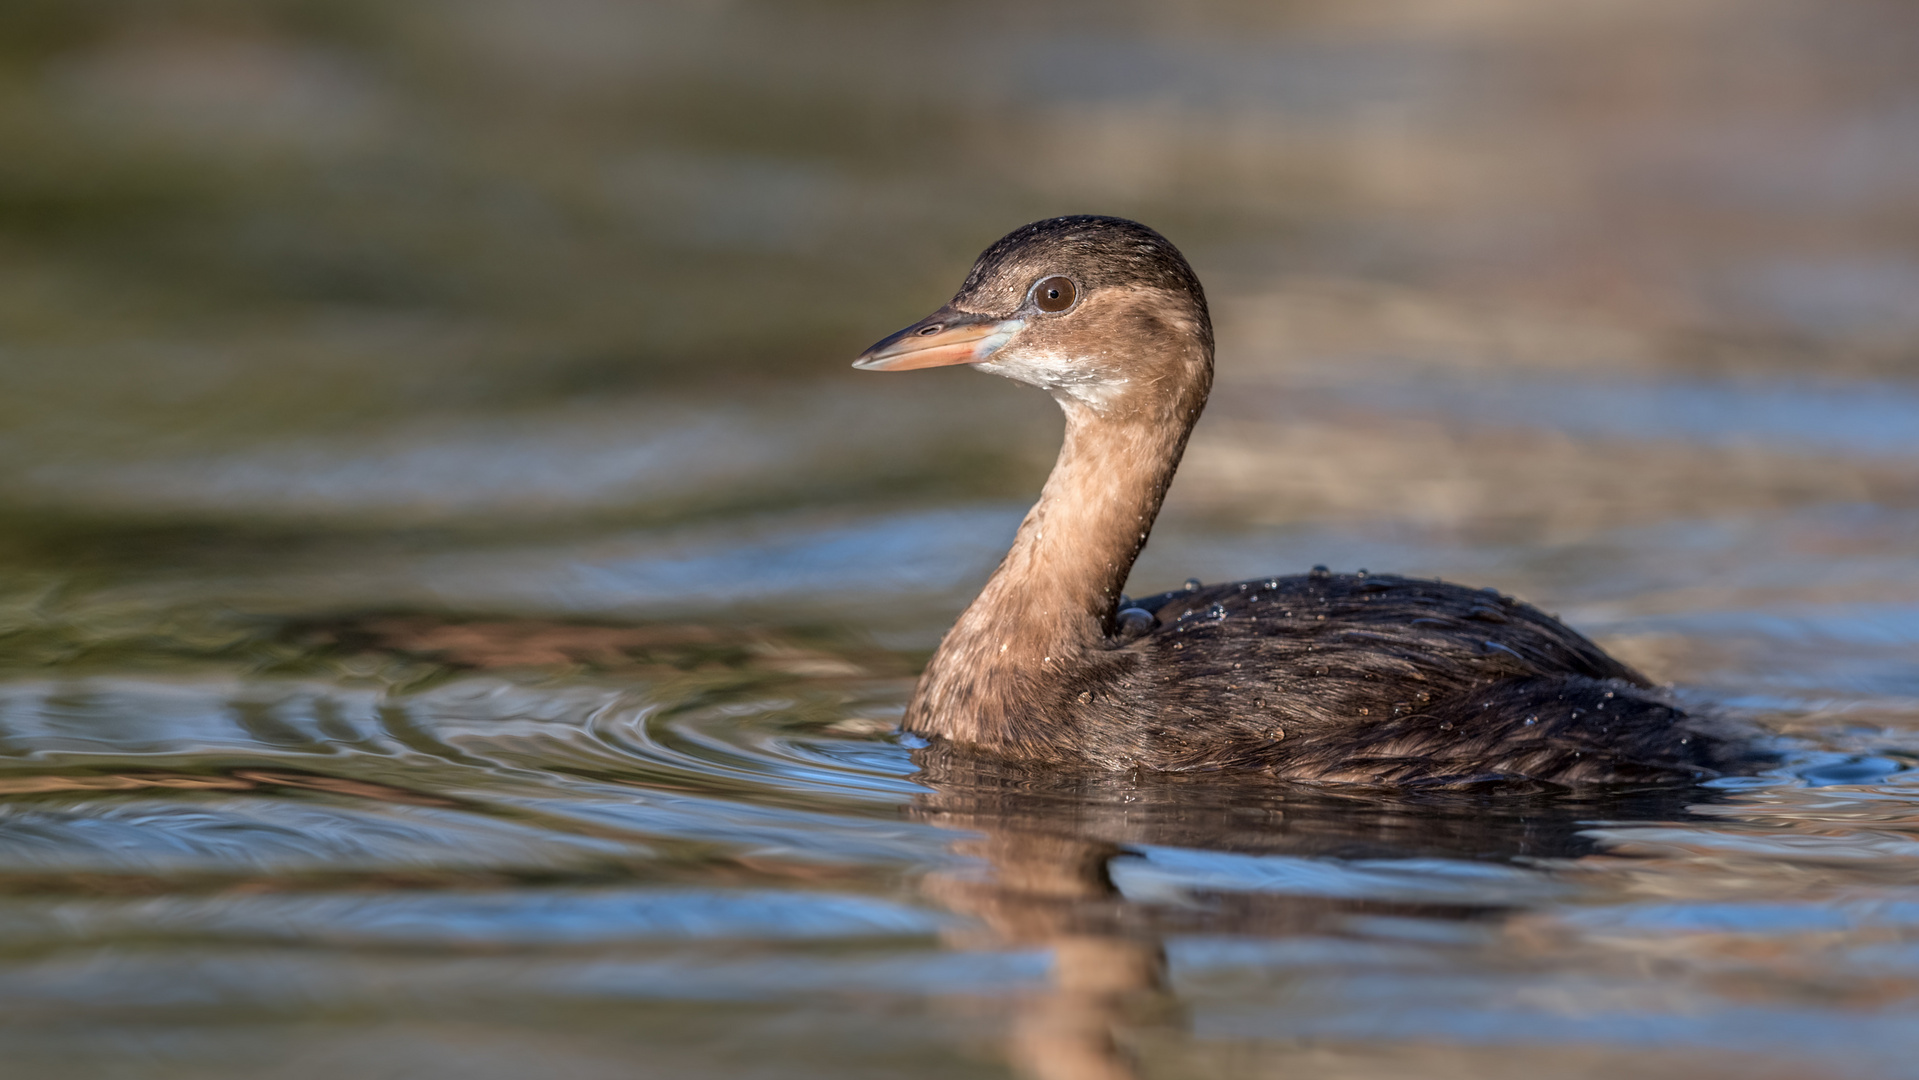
x=1052 y=600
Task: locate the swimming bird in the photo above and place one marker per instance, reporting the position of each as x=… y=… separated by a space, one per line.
x=1366 y=678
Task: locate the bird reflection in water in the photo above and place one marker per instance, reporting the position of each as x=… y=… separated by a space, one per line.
x=1050 y=841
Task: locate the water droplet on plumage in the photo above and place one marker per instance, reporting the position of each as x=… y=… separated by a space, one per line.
x=1193 y=584
x=1133 y=621
x=1320 y=571
x=1446 y=725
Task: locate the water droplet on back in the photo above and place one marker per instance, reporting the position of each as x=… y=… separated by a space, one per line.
x=1133 y=622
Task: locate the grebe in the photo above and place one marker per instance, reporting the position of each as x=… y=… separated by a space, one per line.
x=1368 y=678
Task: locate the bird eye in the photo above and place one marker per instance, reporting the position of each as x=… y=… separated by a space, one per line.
x=1054 y=294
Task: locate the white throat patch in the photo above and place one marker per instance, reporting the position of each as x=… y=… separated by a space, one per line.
x=1067 y=377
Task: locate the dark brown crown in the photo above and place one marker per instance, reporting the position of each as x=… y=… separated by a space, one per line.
x=1095 y=251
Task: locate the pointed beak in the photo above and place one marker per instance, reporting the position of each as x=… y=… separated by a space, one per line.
x=947 y=336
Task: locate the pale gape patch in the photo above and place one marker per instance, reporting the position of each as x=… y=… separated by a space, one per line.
x=1065 y=375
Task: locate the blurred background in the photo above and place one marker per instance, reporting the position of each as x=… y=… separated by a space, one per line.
x=300 y=297
x=350 y=349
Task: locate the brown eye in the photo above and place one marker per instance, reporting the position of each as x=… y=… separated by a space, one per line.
x=1054 y=294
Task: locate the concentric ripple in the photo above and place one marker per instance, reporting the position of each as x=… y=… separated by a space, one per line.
x=478 y=776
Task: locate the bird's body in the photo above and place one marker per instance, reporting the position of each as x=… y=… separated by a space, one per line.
x=1364 y=678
